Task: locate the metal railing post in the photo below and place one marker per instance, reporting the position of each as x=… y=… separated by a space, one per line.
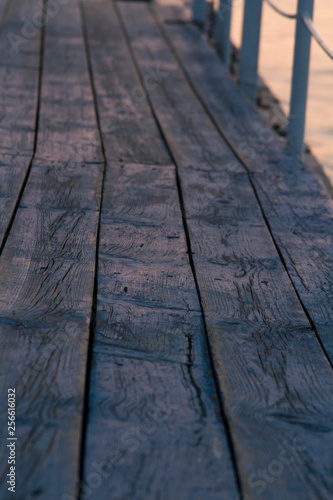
x=199 y=11
x=299 y=89
x=248 y=64
x=222 y=31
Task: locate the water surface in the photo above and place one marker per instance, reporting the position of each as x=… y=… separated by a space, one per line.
x=275 y=66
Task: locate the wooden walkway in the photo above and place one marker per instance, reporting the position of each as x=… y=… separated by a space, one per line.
x=166 y=279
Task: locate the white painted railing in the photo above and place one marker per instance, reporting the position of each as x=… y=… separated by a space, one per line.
x=248 y=64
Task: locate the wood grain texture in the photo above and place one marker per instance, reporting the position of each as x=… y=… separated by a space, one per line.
x=143 y=262
x=149 y=349
x=295 y=201
x=67 y=126
x=174 y=10
x=47 y=271
x=19 y=75
x=129 y=131
x=148 y=317
x=13 y=171
x=155 y=428
x=4 y=6
x=57 y=185
x=162 y=437
x=46 y=282
x=275 y=379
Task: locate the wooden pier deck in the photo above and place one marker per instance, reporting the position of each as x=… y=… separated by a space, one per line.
x=166 y=281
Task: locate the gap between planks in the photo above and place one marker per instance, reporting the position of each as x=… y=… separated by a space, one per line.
x=144 y=25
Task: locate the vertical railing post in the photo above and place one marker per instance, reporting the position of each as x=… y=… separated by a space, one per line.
x=222 y=30
x=248 y=64
x=199 y=11
x=299 y=89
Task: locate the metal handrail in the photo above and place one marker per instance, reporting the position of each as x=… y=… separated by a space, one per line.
x=248 y=65
x=308 y=22
x=280 y=11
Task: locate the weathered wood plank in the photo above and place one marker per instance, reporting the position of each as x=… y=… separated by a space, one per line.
x=145 y=285
x=295 y=201
x=4 y=6
x=148 y=317
x=57 y=185
x=129 y=131
x=13 y=171
x=141 y=198
x=275 y=379
x=19 y=76
x=174 y=10
x=47 y=279
x=162 y=438
x=148 y=321
x=67 y=126
x=47 y=274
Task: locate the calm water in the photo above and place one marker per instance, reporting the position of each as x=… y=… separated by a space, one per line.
x=275 y=65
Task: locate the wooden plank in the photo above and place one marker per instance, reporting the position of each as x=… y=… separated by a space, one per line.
x=175 y=10
x=295 y=201
x=47 y=279
x=67 y=127
x=149 y=346
x=19 y=75
x=4 y=6
x=129 y=131
x=54 y=186
x=57 y=185
x=148 y=316
x=145 y=281
x=13 y=171
x=47 y=276
x=141 y=195
x=275 y=379
x=160 y=440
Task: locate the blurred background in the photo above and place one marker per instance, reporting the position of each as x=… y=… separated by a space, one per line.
x=275 y=67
